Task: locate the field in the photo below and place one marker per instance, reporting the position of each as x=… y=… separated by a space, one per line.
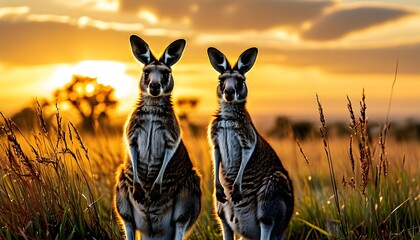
x=57 y=183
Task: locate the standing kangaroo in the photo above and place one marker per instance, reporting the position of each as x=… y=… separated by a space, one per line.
x=253 y=190
x=158 y=190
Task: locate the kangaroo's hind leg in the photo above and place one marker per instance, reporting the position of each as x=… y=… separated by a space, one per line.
x=124 y=207
x=272 y=210
x=187 y=206
x=228 y=233
x=125 y=211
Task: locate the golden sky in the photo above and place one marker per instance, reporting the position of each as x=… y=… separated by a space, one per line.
x=333 y=48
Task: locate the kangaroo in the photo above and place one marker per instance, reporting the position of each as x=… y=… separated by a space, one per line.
x=158 y=190
x=254 y=194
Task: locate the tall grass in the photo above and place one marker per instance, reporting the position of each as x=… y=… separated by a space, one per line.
x=57 y=183
x=370 y=204
x=48 y=188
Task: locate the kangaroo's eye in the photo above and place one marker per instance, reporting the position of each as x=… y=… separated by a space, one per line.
x=146 y=73
x=221 y=81
x=166 y=75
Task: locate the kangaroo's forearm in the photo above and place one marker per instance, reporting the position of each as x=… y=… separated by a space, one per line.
x=169 y=153
x=134 y=161
x=217 y=166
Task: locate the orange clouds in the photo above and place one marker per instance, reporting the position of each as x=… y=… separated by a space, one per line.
x=220 y=15
x=295 y=29
x=344 y=20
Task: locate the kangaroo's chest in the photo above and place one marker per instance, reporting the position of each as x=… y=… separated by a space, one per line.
x=230 y=147
x=151 y=142
x=151 y=139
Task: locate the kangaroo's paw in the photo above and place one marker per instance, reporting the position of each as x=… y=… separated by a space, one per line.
x=220 y=194
x=236 y=193
x=138 y=193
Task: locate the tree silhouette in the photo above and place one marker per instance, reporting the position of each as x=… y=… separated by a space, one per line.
x=285 y=128
x=282 y=127
x=91 y=99
x=27 y=118
x=185 y=106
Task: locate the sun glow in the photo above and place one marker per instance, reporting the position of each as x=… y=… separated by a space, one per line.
x=107 y=72
x=90 y=88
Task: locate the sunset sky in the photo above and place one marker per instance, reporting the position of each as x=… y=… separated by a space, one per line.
x=332 y=48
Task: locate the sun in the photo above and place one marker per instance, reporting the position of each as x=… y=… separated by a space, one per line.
x=108 y=73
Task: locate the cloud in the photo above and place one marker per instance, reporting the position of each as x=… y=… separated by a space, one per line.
x=102 y=5
x=347 y=19
x=231 y=15
x=32 y=43
x=11 y=11
x=23 y=14
x=29 y=38
x=36 y=43
x=352 y=61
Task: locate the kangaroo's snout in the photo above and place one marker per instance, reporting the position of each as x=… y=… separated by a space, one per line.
x=229 y=94
x=154 y=89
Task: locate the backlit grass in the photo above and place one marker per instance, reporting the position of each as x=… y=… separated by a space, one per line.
x=57 y=183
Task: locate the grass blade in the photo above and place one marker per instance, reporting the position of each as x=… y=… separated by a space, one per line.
x=315 y=227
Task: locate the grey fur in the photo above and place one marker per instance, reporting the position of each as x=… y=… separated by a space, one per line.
x=158 y=190
x=254 y=194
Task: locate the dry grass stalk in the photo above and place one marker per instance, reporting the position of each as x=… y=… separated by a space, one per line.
x=59 y=120
x=13 y=163
x=343 y=181
x=301 y=151
x=363 y=145
x=383 y=163
x=70 y=135
x=352 y=183
x=323 y=132
x=403 y=160
x=353 y=122
x=383 y=160
x=8 y=129
x=41 y=119
x=351 y=156
x=79 y=139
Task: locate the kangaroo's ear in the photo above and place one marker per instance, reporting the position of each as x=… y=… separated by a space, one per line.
x=246 y=60
x=141 y=50
x=173 y=52
x=218 y=60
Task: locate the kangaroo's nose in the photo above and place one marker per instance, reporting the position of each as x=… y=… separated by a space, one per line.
x=155 y=89
x=154 y=85
x=229 y=91
x=229 y=94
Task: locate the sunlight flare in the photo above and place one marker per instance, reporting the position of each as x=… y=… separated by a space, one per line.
x=107 y=72
x=90 y=88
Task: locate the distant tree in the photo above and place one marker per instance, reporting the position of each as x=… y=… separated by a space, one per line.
x=90 y=99
x=410 y=130
x=27 y=119
x=184 y=106
x=339 y=129
x=282 y=128
x=304 y=130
